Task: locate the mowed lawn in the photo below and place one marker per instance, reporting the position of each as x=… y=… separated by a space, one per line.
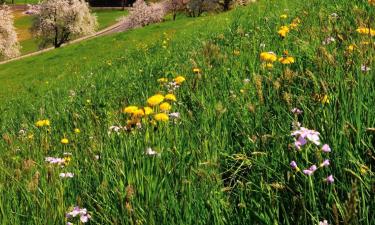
x=23 y=23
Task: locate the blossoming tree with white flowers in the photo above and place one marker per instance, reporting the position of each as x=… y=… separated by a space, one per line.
x=58 y=21
x=143 y=14
x=9 y=46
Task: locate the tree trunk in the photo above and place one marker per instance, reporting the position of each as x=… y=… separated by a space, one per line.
x=226 y=5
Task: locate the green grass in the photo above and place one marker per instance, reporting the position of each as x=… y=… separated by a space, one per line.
x=23 y=2
x=226 y=160
x=105 y=19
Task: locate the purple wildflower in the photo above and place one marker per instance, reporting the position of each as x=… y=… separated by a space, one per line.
x=325 y=222
x=326 y=148
x=53 y=160
x=82 y=213
x=310 y=170
x=325 y=163
x=293 y=164
x=313 y=168
x=300 y=142
x=174 y=115
x=85 y=218
x=330 y=179
x=296 y=111
x=304 y=134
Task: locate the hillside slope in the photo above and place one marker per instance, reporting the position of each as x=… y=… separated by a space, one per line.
x=223 y=155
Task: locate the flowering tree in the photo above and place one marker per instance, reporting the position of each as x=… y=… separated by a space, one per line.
x=143 y=14
x=57 y=21
x=9 y=46
x=176 y=5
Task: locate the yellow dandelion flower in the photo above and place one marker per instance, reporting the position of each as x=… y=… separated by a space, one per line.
x=64 y=141
x=179 y=79
x=138 y=113
x=170 y=97
x=148 y=110
x=42 y=123
x=286 y=60
x=163 y=80
x=236 y=52
x=77 y=131
x=155 y=100
x=351 y=48
x=283 y=16
x=296 y=20
x=367 y=31
x=283 y=31
x=47 y=123
x=39 y=123
x=165 y=106
x=293 y=25
x=130 y=109
x=269 y=65
x=196 y=70
x=268 y=56
x=161 y=117
x=325 y=99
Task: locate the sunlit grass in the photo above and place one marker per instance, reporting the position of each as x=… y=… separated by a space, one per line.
x=226 y=159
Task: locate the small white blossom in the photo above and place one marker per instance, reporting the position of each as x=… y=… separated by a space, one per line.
x=151 y=152
x=66 y=175
x=365 y=68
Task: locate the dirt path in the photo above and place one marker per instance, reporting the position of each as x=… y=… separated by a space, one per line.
x=118 y=27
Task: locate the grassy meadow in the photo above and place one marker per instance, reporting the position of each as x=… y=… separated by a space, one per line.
x=219 y=153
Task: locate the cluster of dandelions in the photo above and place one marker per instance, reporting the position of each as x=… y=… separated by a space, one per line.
x=268 y=59
x=158 y=108
x=285 y=29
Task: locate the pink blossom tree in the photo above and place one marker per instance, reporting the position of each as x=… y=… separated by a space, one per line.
x=58 y=21
x=9 y=46
x=143 y=14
